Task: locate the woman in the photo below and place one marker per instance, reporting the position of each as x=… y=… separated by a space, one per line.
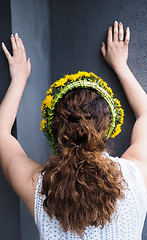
x=82 y=193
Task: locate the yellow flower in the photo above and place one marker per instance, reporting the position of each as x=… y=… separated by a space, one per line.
x=82 y=73
x=121 y=119
x=49 y=91
x=46 y=103
x=93 y=75
x=42 y=125
x=105 y=85
x=78 y=75
x=109 y=90
x=116 y=131
x=60 y=83
x=52 y=86
x=101 y=80
x=112 y=135
x=117 y=102
x=43 y=111
x=121 y=112
x=72 y=77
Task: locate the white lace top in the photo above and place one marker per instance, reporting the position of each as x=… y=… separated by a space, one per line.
x=127 y=225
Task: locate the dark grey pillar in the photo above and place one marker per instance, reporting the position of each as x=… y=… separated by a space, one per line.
x=9 y=202
x=31 y=20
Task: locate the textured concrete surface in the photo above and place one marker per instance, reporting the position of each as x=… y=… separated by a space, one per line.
x=78 y=27
x=31 y=20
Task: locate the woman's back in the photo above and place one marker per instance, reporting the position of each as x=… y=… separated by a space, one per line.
x=126 y=224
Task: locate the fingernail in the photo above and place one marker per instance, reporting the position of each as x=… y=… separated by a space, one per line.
x=120 y=23
x=2 y=43
x=16 y=34
x=116 y=22
x=128 y=28
x=12 y=35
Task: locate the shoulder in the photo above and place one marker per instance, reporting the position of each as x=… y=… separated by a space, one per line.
x=140 y=164
x=132 y=170
x=28 y=188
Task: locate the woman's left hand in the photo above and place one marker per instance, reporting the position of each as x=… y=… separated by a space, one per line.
x=19 y=65
x=116 y=52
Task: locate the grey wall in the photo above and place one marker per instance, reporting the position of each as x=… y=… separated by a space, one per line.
x=63 y=36
x=31 y=20
x=9 y=202
x=78 y=27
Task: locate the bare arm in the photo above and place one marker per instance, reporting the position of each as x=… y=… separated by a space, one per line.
x=17 y=167
x=116 y=55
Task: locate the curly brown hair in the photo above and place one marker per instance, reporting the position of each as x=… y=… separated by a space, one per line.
x=81 y=184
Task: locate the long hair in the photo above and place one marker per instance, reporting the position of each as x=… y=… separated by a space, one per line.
x=80 y=183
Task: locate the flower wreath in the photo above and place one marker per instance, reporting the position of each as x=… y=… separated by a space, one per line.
x=80 y=80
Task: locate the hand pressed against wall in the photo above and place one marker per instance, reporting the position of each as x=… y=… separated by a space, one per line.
x=116 y=52
x=19 y=65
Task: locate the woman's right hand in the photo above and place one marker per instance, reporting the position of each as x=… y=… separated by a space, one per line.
x=116 y=52
x=19 y=65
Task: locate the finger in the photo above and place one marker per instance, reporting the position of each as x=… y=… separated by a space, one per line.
x=21 y=43
x=115 y=32
x=13 y=43
x=121 y=32
x=8 y=55
x=127 y=38
x=17 y=41
x=29 y=64
x=103 y=49
x=109 y=37
x=23 y=51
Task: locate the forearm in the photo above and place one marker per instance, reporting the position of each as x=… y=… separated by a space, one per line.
x=9 y=105
x=20 y=68
x=136 y=96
